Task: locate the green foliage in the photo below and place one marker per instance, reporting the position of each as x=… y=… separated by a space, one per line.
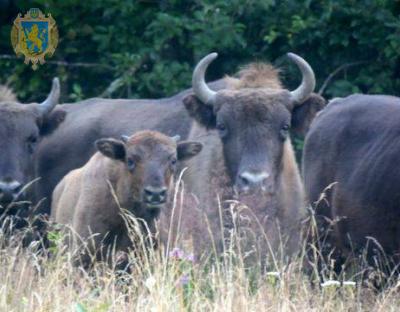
x=55 y=238
x=148 y=48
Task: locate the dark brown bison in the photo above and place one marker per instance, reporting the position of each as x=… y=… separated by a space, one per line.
x=22 y=126
x=353 y=147
x=135 y=173
x=70 y=147
x=247 y=156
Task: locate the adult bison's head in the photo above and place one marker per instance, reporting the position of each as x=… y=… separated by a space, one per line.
x=21 y=128
x=149 y=160
x=253 y=117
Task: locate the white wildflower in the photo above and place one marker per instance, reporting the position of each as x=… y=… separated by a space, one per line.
x=330 y=283
x=150 y=282
x=273 y=278
x=274 y=274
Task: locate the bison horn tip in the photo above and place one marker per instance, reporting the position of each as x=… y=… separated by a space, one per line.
x=308 y=79
x=176 y=138
x=52 y=99
x=124 y=138
x=200 y=88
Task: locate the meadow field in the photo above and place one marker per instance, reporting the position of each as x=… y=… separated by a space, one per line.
x=173 y=280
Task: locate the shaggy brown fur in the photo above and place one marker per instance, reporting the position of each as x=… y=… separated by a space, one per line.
x=253 y=111
x=89 y=199
x=255 y=75
x=150 y=138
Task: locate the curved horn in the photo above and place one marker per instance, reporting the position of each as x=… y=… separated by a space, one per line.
x=307 y=82
x=200 y=88
x=176 y=138
x=52 y=99
x=124 y=138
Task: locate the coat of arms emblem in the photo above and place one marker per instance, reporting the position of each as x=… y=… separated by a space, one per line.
x=34 y=36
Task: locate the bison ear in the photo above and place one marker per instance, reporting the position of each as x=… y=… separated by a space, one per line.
x=51 y=121
x=202 y=113
x=186 y=150
x=303 y=115
x=111 y=148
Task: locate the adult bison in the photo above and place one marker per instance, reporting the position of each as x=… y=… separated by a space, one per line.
x=22 y=126
x=71 y=146
x=247 y=155
x=353 y=147
x=135 y=173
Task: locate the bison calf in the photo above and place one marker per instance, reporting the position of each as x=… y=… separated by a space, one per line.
x=135 y=173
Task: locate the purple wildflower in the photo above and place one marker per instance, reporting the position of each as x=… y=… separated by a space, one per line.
x=177 y=253
x=190 y=258
x=184 y=280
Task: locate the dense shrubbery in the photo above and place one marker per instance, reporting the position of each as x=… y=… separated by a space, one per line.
x=148 y=48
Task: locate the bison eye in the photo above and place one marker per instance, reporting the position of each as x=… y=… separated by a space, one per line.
x=31 y=142
x=221 y=129
x=130 y=163
x=32 y=139
x=285 y=131
x=173 y=161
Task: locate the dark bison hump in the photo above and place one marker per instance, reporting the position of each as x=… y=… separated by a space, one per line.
x=355 y=143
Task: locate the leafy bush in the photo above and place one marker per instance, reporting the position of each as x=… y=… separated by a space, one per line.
x=148 y=48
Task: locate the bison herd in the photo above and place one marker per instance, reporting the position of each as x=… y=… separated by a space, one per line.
x=85 y=163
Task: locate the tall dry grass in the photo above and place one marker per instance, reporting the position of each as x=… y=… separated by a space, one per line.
x=34 y=280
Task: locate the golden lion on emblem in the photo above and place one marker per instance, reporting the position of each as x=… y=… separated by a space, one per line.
x=33 y=37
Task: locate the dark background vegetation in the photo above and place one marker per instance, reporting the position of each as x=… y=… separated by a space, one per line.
x=147 y=49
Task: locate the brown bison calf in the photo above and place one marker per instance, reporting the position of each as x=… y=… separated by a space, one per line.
x=135 y=173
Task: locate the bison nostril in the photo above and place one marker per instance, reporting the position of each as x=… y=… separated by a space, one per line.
x=264 y=182
x=244 y=181
x=17 y=189
x=155 y=194
x=163 y=193
x=253 y=179
x=148 y=192
x=10 y=188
